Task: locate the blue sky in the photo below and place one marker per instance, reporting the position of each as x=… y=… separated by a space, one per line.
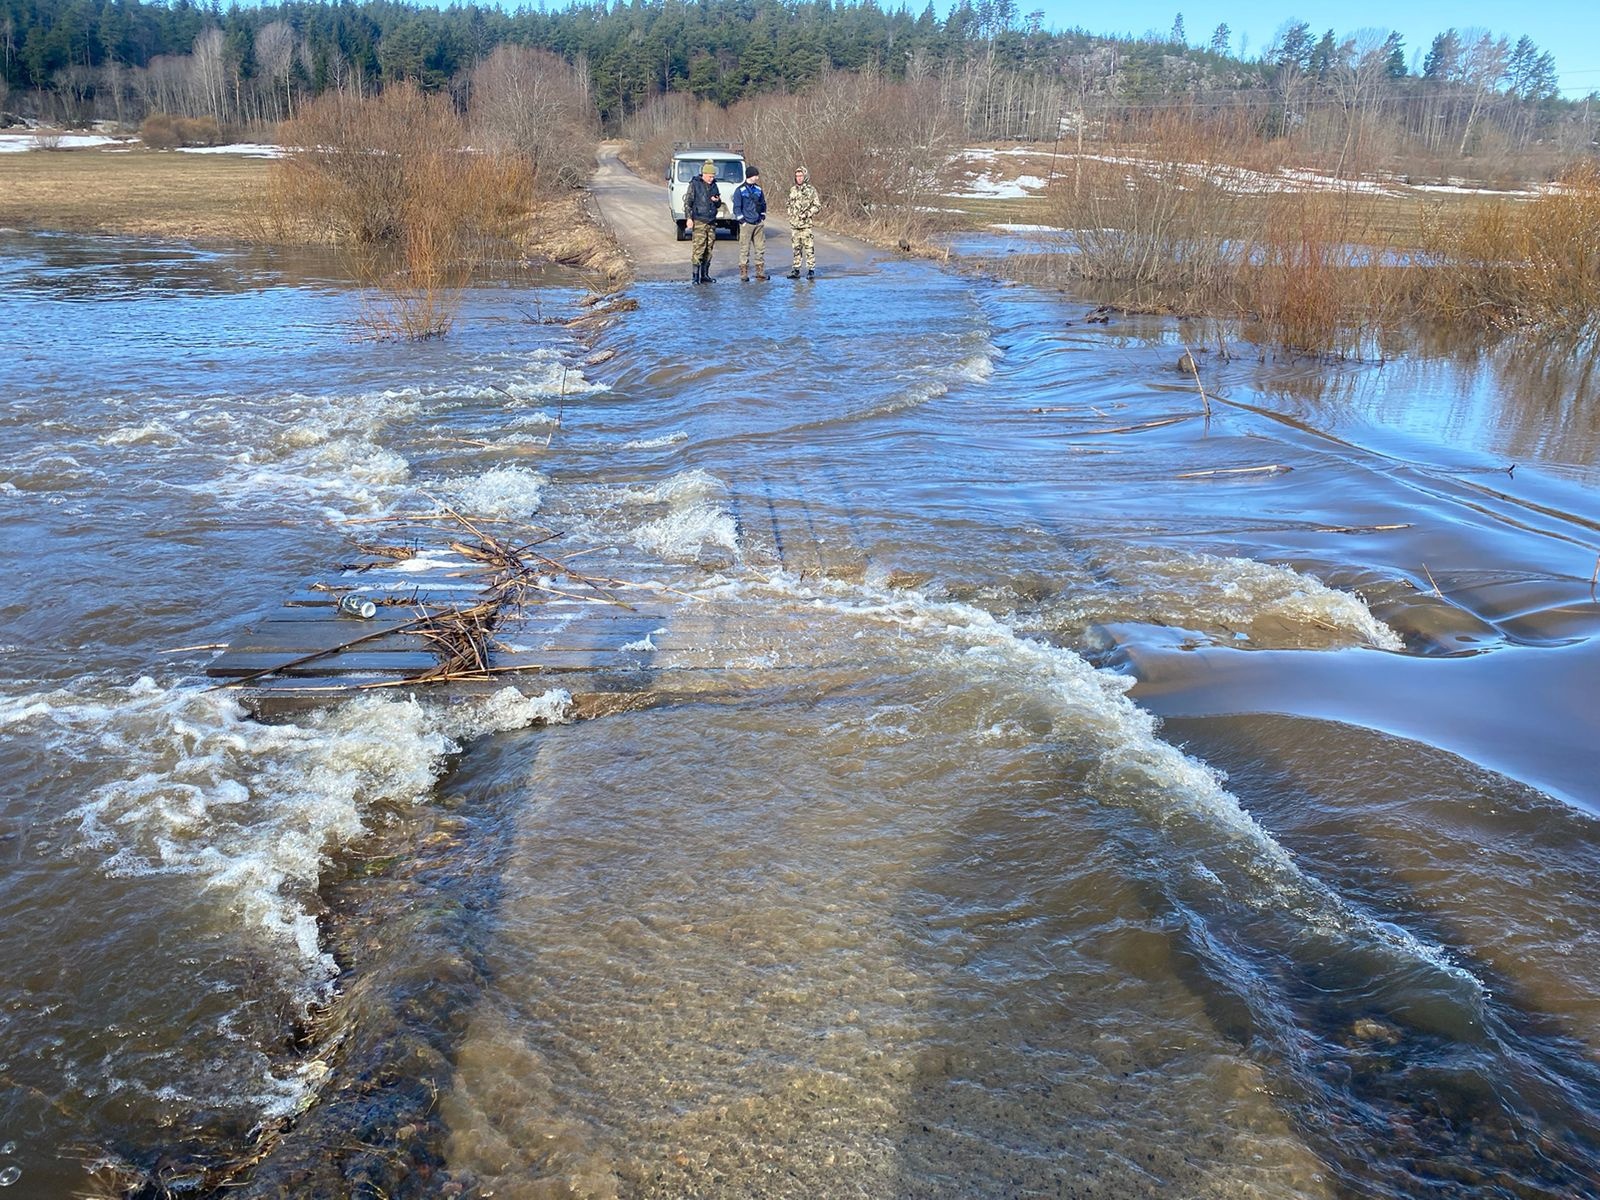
x=1567 y=28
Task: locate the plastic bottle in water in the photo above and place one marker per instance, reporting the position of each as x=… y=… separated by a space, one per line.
x=357 y=606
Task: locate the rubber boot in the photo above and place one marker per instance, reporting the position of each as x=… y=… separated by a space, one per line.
x=705 y=271
x=695 y=278
x=795 y=274
x=744 y=274
x=811 y=274
x=761 y=273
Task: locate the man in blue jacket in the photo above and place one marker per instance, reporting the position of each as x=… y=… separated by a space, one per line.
x=750 y=210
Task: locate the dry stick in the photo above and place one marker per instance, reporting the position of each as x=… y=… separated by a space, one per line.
x=1271 y=468
x=186 y=649
x=522 y=570
x=582 y=578
x=549 y=537
x=1595 y=578
x=1194 y=370
x=397 y=517
x=1360 y=528
x=624 y=585
x=1134 y=428
x=1433 y=581
x=312 y=657
x=539 y=587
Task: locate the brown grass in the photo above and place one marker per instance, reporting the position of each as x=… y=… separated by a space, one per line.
x=210 y=198
x=1326 y=269
x=139 y=192
x=1519 y=266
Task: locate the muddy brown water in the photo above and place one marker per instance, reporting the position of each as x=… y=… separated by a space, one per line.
x=1097 y=814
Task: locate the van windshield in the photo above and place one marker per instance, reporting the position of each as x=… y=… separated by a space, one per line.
x=729 y=170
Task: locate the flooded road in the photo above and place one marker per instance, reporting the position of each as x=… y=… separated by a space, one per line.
x=1116 y=800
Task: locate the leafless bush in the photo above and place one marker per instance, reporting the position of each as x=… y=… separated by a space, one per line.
x=164 y=131
x=676 y=117
x=1317 y=277
x=392 y=176
x=1524 y=264
x=1202 y=215
x=881 y=150
x=535 y=105
x=1164 y=214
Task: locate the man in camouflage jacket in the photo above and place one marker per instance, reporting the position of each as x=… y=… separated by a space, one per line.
x=804 y=205
x=700 y=206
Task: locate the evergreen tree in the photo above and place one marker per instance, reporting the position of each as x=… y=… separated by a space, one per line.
x=1394 y=62
x=1443 y=61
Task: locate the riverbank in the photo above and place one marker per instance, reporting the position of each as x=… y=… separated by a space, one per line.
x=211 y=197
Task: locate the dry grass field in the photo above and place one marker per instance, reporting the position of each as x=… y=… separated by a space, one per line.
x=1397 y=215
x=222 y=198
x=150 y=193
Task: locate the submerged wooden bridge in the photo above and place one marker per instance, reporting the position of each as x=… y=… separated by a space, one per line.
x=479 y=613
x=455 y=623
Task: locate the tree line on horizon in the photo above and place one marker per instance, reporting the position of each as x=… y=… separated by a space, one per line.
x=1471 y=92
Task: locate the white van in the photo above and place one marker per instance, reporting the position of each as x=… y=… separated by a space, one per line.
x=687 y=159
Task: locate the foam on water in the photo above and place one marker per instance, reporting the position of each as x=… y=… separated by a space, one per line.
x=1134 y=766
x=251 y=811
x=504 y=493
x=539 y=376
x=1235 y=599
x=331 y=452
x=696 y=516
x=153 y=432
x=655 y=443
x=219 y=828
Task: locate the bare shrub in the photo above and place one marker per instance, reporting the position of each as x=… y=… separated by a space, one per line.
x=1524 y=264
x=159 y=131
x=663 y=121
x=1202 y=215
x=1317 y=277
x=882 y=150
x=533 y=104
x=163 y=131
x=1165 y=214
x=392 y=178
x=47 y=139
x=199 y=131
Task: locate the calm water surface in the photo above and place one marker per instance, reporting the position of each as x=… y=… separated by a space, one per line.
x=1168 y=805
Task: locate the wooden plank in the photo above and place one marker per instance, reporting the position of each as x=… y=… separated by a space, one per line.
x=289 y=638
x=458 y=597
x=393 y=614
x=398 y=662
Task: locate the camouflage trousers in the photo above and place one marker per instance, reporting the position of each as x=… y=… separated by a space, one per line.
x=805 y=245
x=703 y=238
x=753 y=238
